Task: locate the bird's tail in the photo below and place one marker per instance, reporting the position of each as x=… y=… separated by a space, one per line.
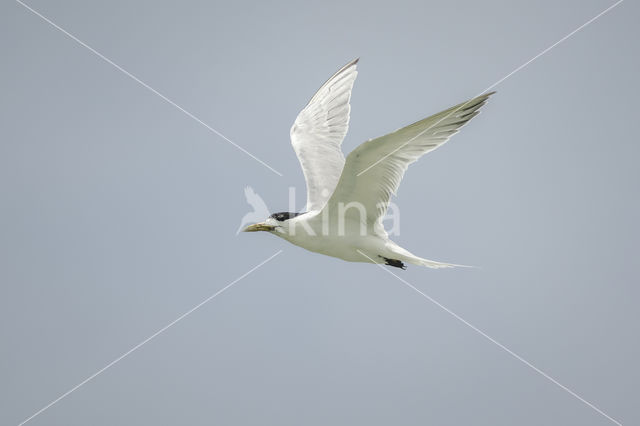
x=433 y=264
x=406 y=256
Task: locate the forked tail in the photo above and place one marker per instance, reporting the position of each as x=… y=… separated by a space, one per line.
x=406 y=256
x=433 y=264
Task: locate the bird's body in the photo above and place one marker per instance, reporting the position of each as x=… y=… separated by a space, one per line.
x=347 y=198
x=348 y=240
x=310 y=231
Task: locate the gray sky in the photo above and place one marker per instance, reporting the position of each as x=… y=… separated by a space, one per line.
x=119 y=214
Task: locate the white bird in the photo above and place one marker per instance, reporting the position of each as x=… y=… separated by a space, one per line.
x=347 y=200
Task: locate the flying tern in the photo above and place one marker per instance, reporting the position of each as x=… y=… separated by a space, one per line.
x=347 y=199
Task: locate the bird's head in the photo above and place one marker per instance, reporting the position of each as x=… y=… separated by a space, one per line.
x=277 y=222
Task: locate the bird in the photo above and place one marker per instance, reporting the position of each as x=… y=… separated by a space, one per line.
x=260 y=209
x=348 y=198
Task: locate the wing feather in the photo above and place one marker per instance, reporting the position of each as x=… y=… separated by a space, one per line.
x=317 y=135
x=373 y=170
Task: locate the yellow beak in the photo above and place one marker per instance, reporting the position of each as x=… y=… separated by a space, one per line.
x=258 y=227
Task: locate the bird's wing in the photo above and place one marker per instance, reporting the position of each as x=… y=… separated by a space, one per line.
x=374 y=169
x=317 y=134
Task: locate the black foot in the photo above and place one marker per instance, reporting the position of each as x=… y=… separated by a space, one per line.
x=394 y=262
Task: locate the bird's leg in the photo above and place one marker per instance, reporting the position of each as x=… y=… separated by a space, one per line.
x=394 y=262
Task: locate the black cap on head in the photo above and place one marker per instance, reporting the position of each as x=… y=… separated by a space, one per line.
x=282 y=216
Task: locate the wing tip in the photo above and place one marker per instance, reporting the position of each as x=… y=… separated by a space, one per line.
x=474 y=104
x=484 y=97
x=350 y=64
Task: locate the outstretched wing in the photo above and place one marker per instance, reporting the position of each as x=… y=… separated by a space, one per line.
x=317 y=134
x=373 y=170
